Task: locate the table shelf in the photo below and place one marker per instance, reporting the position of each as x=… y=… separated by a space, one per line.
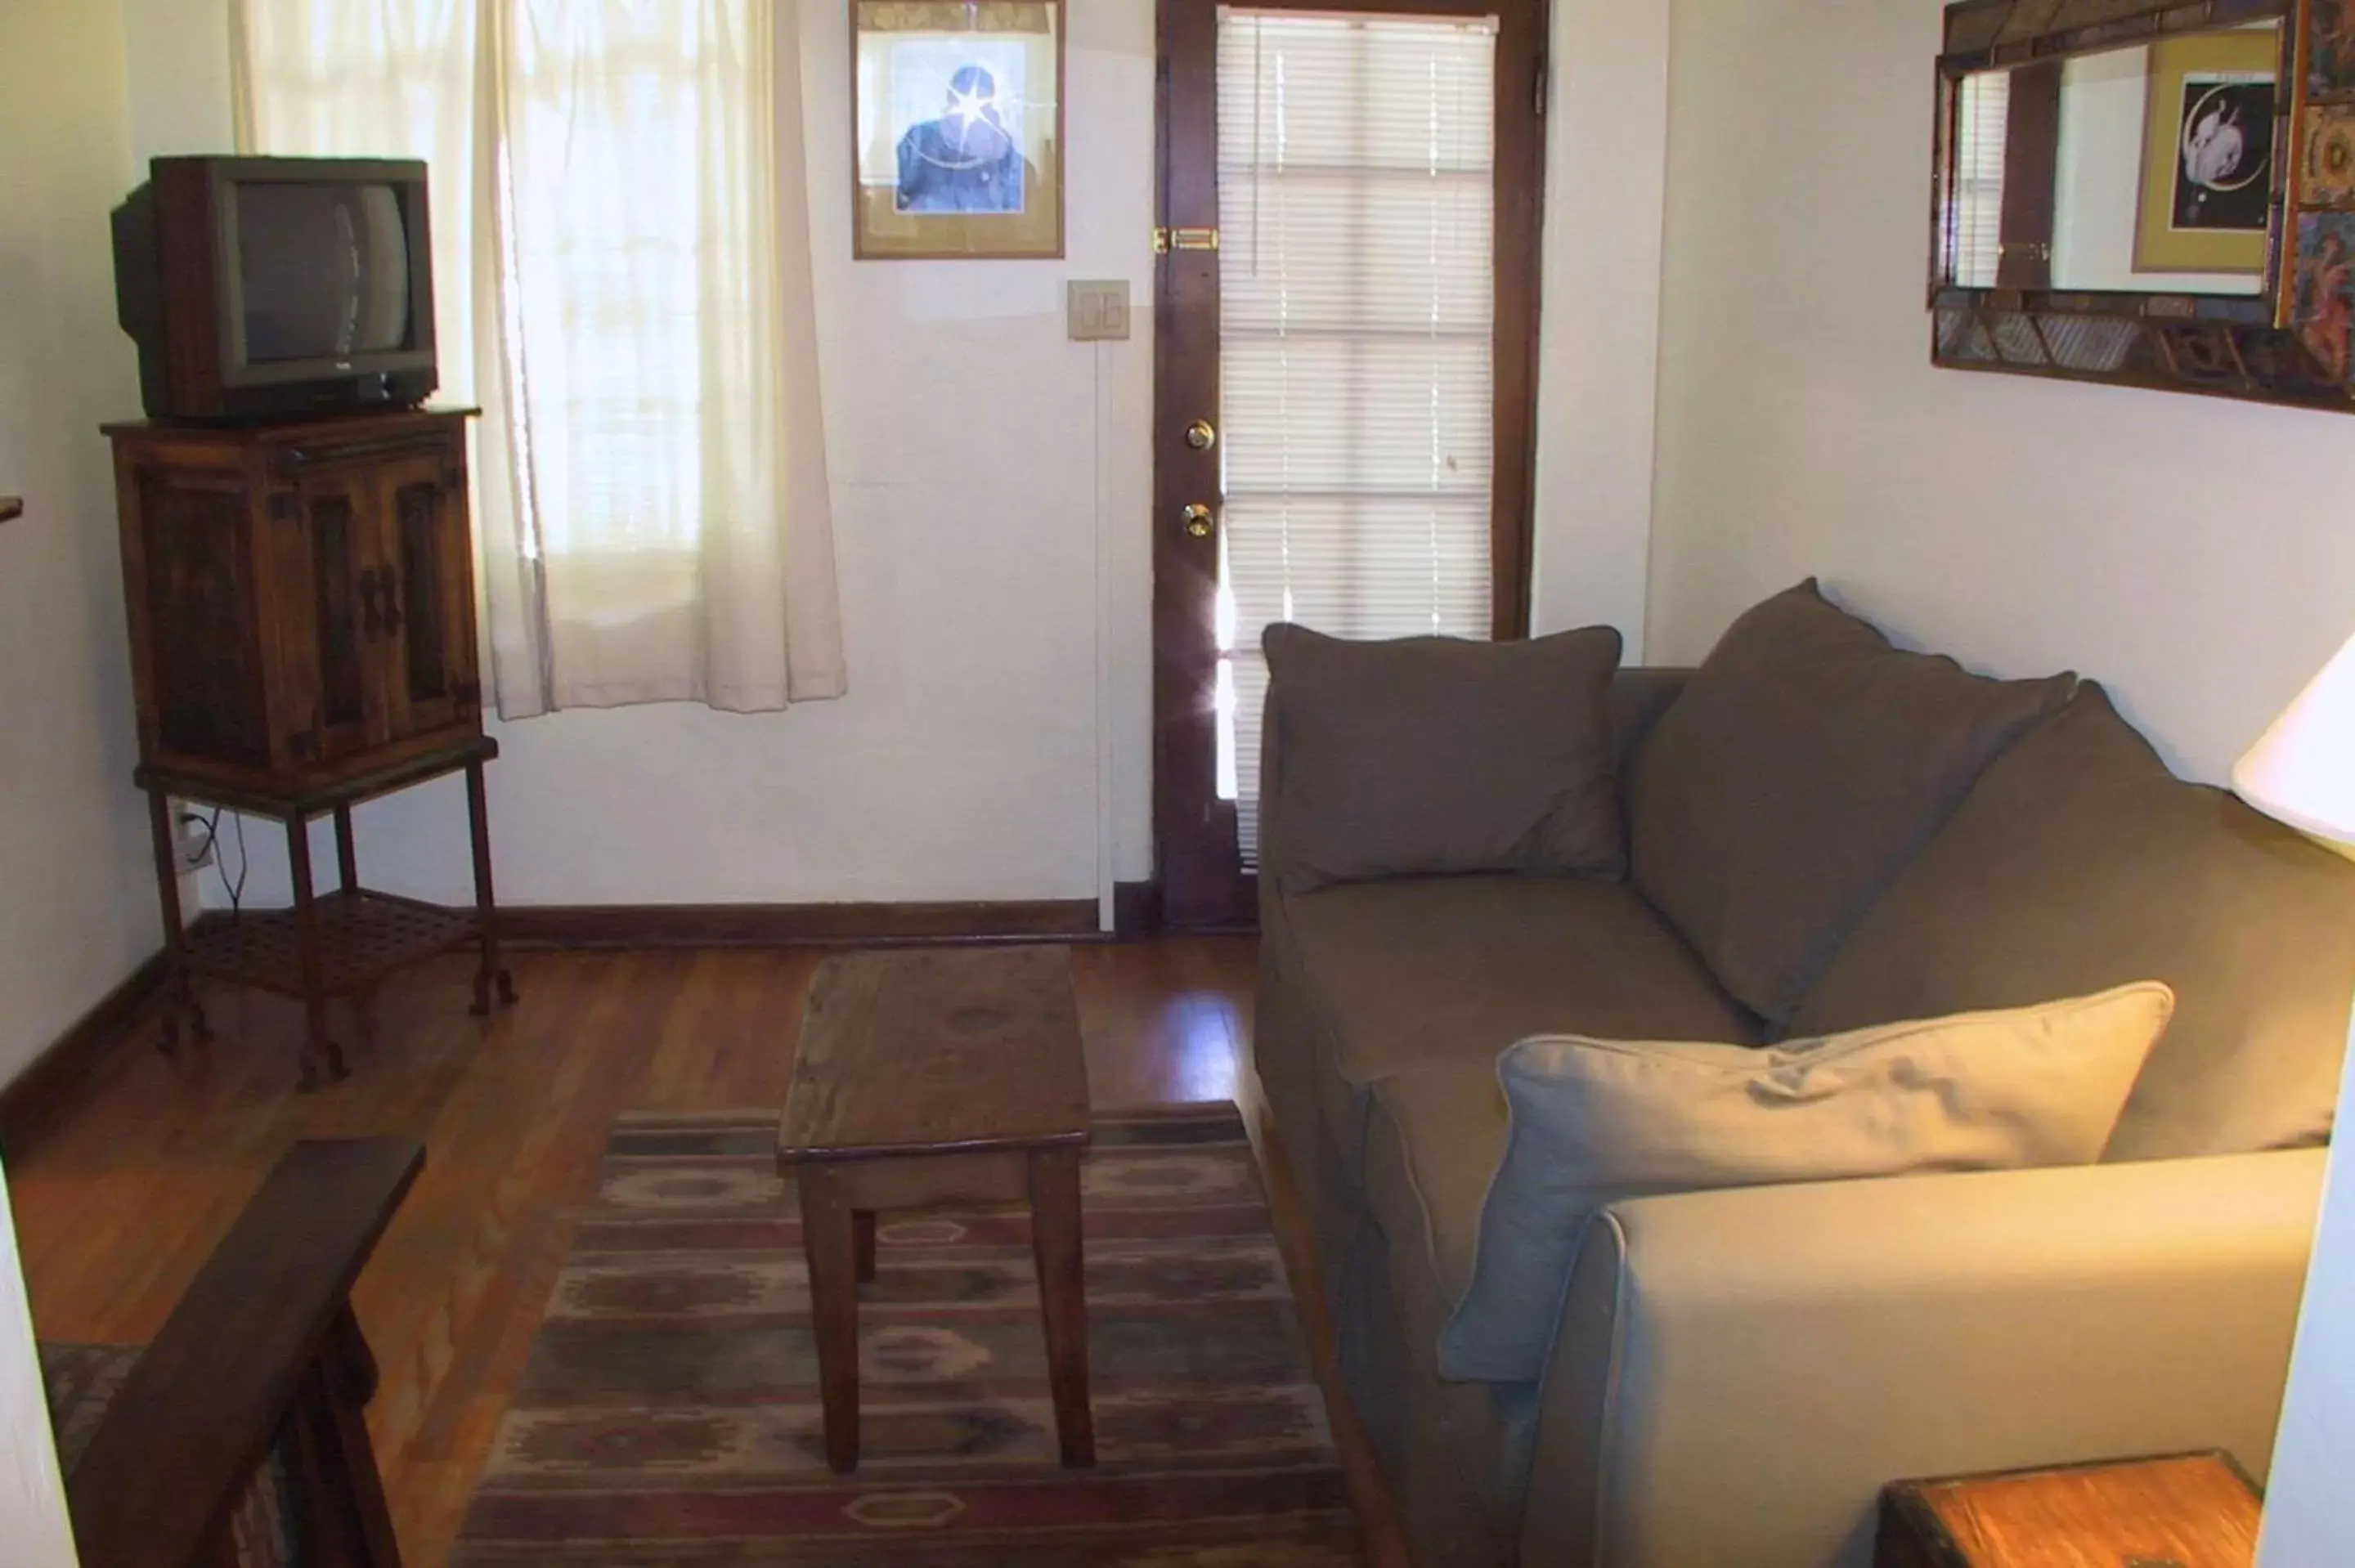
x=363 y=938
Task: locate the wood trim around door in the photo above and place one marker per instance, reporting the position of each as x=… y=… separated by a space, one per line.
x=1523 y=84
x=1202 y=881
x=1203 y=884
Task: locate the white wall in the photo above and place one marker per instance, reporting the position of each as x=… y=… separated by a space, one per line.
x=76 y=893
x=2194 y=554
x=964 y=763
x=1606 y=169
x=78 y=911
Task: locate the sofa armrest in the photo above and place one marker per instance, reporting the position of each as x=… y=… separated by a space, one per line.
x=1737 y=1373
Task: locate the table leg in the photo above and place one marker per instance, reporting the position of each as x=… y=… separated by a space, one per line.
x=488 y=974
x=323 y=1060
x=830 y=1242
x=179 y=986
x=862 y=1224
x=1062 y=1299
x=347 y=858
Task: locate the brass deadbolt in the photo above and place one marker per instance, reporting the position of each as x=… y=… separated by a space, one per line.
x=1201 y=435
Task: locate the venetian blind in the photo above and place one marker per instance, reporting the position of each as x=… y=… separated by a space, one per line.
x=1975 y=215
x=1357 y=180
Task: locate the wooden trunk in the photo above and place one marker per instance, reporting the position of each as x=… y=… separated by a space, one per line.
x=301 y=596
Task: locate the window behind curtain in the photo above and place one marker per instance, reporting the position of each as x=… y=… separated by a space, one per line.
x=1357 y=163
x=616 y=262
x=619 y=281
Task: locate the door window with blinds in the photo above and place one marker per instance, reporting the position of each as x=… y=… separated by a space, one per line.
x=1974 y=238
x=1357 y=194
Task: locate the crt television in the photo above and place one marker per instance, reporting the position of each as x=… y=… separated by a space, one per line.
x=260 y=289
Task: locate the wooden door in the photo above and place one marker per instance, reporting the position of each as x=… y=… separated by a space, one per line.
x=1211 y=449
x=424 y=589
x=325 y=552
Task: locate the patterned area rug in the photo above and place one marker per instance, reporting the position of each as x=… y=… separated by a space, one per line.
x=669 y=1414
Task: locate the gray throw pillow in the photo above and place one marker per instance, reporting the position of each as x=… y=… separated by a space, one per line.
x=2080 y=862
x=1805 y=762
x=1430 y=755
x=1595 y=1121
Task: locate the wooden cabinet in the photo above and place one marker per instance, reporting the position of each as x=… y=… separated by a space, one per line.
x=301 y=600
x=301 y=596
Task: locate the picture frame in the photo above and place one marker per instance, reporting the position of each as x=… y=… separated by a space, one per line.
x=957 y=130
x=2212 y=117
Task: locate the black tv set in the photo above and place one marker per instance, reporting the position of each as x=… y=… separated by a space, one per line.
x=263 y=289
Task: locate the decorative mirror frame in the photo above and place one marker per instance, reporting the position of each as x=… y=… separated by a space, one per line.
x=2293 y=342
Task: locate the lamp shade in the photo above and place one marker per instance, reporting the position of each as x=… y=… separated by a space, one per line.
x=2302 y=770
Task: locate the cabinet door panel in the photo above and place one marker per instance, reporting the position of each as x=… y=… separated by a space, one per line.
x=330 y=559
x=430 y=662
x=199 y=614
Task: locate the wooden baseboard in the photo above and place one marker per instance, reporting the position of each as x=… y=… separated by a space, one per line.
x=30 y=1100
x=796 y=925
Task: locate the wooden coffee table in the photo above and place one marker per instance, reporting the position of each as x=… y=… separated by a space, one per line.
x=939 y=1075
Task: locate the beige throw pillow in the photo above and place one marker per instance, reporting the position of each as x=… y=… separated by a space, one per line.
x=1595 y=1121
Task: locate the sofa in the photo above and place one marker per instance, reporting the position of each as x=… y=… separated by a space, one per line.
x=1816 y=832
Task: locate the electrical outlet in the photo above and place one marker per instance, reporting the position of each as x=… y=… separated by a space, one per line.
x=192 y=839
x=1097 y=309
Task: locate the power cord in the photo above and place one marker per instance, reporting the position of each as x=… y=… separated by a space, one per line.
x=210 y=823
x=236 y=890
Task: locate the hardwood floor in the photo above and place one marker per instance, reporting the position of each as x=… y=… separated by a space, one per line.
x=120 y=1200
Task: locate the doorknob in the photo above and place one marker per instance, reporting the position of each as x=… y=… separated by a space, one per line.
x=1201 y=435
x=1198 y=520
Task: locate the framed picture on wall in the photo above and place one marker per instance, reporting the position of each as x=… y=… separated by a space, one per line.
x=2208 y=154
x=958 y=129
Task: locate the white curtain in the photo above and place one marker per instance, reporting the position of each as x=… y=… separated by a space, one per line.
x=622 y=268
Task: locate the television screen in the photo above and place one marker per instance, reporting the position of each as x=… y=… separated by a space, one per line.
x=322 y=268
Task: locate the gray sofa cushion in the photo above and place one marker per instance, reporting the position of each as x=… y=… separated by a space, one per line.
x=1416 y=971
x=1460 y=1463
x=1424 y=971
x=1805 y=762
x=1640 y=693
x=1430 y=756
x=1452 y=1125
x=2079 y=861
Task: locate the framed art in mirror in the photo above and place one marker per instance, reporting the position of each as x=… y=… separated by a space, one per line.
x=2149 y=193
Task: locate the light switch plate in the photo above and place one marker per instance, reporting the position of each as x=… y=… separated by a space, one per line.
x=1097 y=309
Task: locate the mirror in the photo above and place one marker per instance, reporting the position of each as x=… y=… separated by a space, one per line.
x=2148 y=193
x=2146 y=169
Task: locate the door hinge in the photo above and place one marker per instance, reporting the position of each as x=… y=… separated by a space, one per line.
x=1165 y=240
x=1545 y=72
